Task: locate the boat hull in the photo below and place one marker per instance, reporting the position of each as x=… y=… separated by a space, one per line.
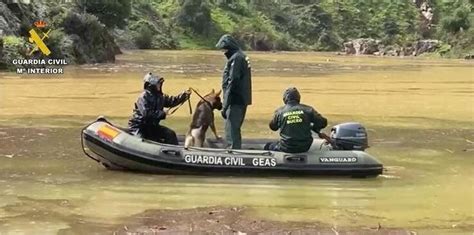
x=122 y=151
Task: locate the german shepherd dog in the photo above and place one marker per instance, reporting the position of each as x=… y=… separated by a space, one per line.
x=203 y=118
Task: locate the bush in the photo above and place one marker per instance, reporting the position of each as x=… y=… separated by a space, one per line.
x=221 y=19
x=143 y=39
x=112 y=13
x=61 y=46
x=456 y=22
x=257 y=33
x=13 y=48
x=196 y=15
x=92 y=42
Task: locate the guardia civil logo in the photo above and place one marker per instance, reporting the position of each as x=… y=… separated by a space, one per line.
x=38 y=40
x=39 y=57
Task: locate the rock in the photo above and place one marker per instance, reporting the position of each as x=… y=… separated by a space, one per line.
x=426 y=11
x=467 y=57
x=394 y=52
x=362 y=46
x=390 y=51
x=428 y=45
x=407 y=50
x=426 y=14
x=9 y=23
x=349 y=48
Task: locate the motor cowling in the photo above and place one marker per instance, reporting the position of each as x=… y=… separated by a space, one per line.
x=349 y=136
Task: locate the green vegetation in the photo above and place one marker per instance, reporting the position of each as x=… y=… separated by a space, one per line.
x=111 y=13
x=455 y=27
x=81 y=31
x=74 y=34
x=13 y=47
x=321 y=25
x=144 y=37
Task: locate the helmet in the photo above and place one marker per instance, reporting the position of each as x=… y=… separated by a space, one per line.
x=152 y=80
x=291 y=94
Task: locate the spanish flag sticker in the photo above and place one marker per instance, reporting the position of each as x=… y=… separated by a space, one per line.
x=107 y=132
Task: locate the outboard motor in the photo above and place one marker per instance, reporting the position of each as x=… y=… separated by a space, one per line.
x=349 y=136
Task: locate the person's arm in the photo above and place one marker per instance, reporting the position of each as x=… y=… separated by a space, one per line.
x=319 y=122
x=172 y=101
x=235 y=74
x=144 y=106
x=274 y=123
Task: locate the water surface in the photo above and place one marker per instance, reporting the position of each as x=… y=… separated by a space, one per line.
x=419 y=114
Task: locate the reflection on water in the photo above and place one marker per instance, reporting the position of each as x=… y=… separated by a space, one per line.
x=415 y=110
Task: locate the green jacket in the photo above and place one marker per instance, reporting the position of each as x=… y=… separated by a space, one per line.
x=296 y=121
x=237 y=78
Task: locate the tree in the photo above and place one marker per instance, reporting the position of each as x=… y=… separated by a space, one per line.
x=458 y=21
x=144 y=37
x=309 y=22
x=112 y=13
x=196 y=15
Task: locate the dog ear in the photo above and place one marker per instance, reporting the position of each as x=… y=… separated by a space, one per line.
x=218 y=93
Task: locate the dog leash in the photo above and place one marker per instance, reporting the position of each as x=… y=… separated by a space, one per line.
x=179 y=106
x=189 y=103
x=202 y=98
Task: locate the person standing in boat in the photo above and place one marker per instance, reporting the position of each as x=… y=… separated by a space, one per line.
x=148 y=111
x=295 y=122
x=237 y=89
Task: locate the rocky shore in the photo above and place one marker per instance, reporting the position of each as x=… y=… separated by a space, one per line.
x=370 y=46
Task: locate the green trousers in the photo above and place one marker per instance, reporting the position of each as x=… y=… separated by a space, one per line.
x=235 y=119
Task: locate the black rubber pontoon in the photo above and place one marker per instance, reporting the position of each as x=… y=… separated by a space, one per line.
x=116 y=149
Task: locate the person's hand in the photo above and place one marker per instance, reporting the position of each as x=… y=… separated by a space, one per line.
x=187 y=93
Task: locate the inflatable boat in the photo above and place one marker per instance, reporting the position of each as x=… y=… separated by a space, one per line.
x=116 y=149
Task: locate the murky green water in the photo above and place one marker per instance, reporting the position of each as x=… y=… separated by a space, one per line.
x=419 y=114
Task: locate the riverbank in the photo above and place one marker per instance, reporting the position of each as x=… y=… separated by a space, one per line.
x=234 y=220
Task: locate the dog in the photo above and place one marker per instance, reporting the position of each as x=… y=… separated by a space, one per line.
x=203 y=118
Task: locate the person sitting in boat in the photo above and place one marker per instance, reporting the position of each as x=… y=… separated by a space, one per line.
x=148 y=111
x=295 y=122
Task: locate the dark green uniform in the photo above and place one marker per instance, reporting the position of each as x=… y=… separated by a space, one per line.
x=295 y=121
x=237 y=89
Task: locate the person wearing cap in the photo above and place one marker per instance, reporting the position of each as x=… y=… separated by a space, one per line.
x=148 y=111
x=295 y=122
x=237 y=89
